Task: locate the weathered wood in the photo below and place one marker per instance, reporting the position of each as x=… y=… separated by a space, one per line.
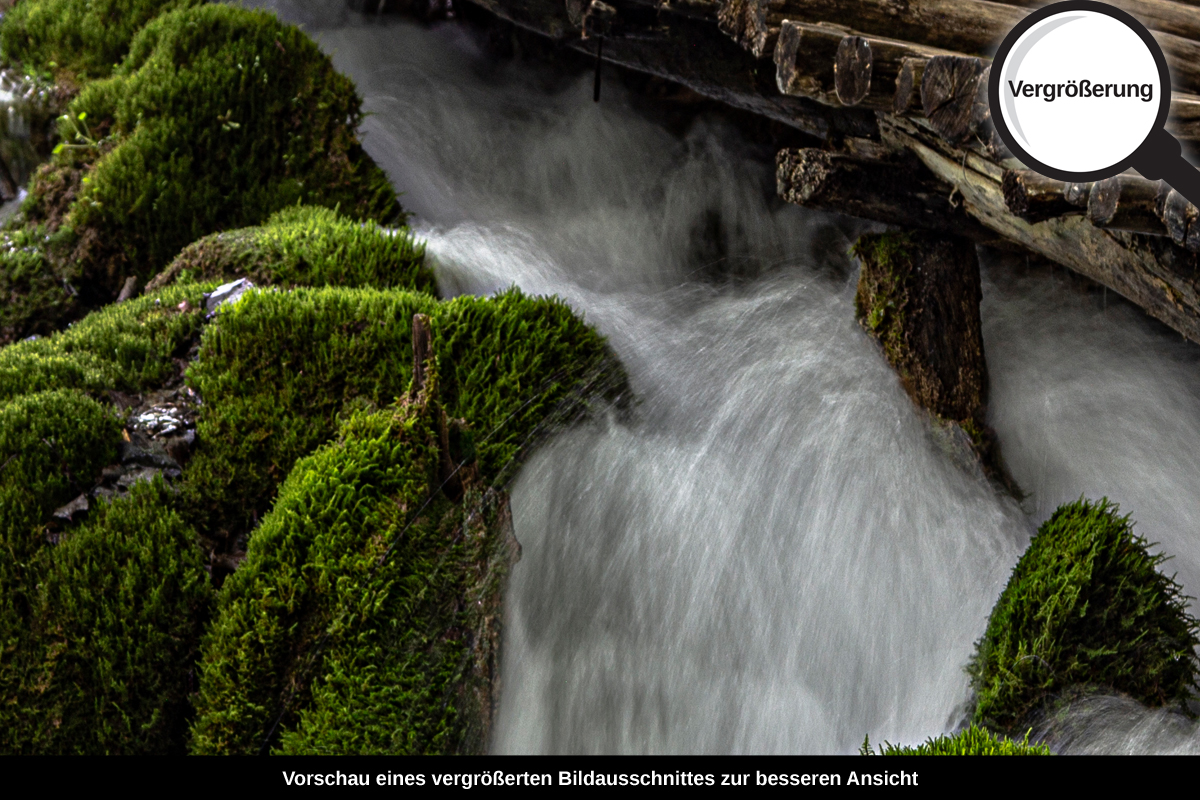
x=690 y=50
x=972 y=27
x=967 y=26
x=1181 y=19
x=1126 y=203
x=128 y=290
x=422 y=345
x=949 y=89
x=1162 y=280
x=907 y=99
x=898 y=191
x=1077 y=194
x=804 y=61
x=1180 y=218
x=852 y=68
x=874 y=69
x=918 y=295
x=1034 y=197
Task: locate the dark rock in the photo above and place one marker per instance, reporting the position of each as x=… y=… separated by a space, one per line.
x=77 y=506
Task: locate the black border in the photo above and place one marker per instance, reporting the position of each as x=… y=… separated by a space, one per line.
x=1164 y=103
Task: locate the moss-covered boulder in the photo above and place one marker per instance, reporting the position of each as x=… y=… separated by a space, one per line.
x=974 y=741
x=129 y=347
x=279 y=368
x=1085 y=609
x=217 y=117
x=363 y=618
x=111 y=636
x=76 y=39
x=306 y=246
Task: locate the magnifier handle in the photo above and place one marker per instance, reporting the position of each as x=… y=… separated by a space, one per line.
x=1160 y=157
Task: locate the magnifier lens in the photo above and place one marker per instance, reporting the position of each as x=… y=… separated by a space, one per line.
x=1081 y=91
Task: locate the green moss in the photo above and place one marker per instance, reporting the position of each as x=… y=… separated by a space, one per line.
x=277 y=369
x=881 y=299
x=974 y=741
x=112 y=636
x=77 y=39
x=218 y=117
x=352 y=648
x=129 y=347
x=52 y=445
x=307 y=246
x=1085 y=607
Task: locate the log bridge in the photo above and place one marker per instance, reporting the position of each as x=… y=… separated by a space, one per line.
x=893 y=94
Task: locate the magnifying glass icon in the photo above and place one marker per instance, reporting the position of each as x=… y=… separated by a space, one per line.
x=1079 y=91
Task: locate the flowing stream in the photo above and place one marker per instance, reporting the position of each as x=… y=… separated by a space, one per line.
x=777 y=552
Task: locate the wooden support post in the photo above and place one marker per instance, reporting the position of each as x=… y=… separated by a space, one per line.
x=422 y=344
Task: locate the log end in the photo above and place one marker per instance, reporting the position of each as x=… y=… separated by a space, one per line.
x=852 y=70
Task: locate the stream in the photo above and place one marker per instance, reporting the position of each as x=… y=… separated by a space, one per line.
x=776 y=552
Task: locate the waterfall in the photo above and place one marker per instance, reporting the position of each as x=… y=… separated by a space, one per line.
x=776 y=552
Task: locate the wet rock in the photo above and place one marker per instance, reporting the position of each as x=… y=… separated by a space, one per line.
x=68 y=512
x=226 y=293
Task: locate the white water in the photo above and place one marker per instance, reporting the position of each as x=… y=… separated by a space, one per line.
x=776 y=554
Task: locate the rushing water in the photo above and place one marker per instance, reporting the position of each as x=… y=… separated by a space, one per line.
x=776 y=553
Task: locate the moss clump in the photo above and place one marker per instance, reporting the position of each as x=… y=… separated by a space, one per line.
x=277 y=369
x=129 y=347
x=218 y=117
x=1085 y=607
x=307 y=246
x=354 y=621
x=111 y=637
x=76 y=39
x=52 y=445
x=974 y=741
x=882 y=296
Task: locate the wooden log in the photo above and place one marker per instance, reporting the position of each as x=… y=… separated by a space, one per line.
x=1181 y=19
x=907 y=99
x=1077 y=194
x=1126 y=203
x=869 y=69
x=972 y=27
x=950 y=87
x=128 y=290
x=1034 y=197
x=804 y=61
x=1180 y=218
x=1147 y=270
x=967 y=26
x=918 y=295
x=897 y=192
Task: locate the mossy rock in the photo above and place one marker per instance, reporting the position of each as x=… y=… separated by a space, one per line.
x=974 y=741
x=218 y=117
x=112 y=634
x=1086 y=608
x=306 y=246
x=277 y=369
x=356 y=622
x=76 y=39
x=129 y=347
